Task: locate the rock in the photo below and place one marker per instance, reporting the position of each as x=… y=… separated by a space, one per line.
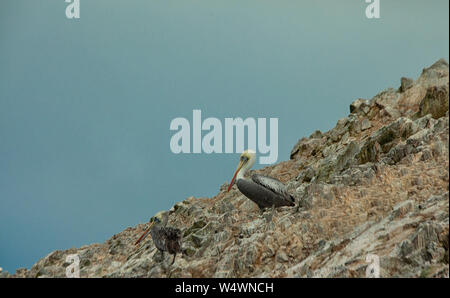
x=347 y=157
x=306 y=175
x=411 y=98
x=384 y=139
x=435 y=75
x=416 y=247
x=365 y=124
x=339 y=130
x=316 y=135
x=406 y=83
x=335 y=164
x=397 y=153
x=426 y=155
x=306 y=147
x=390 y=112
x=386 y=98
x=281 y=256
x=402 y=209
x=370 y=152
x=4 y=273
x=355 y=175
x=354 y=125
x=360 y=106
x=406 y=248
x=435 y=102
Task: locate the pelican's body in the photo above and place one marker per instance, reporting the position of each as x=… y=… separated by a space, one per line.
x=264 y=191
x=165 y=238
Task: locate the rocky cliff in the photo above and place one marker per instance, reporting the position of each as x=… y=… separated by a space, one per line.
x=377 y=183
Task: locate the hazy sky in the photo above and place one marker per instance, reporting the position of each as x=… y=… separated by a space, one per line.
x=85 y=105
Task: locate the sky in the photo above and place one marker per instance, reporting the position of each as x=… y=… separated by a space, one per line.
x=86 y=104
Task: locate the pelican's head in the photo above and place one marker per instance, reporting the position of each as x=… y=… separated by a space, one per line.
x=159 y=218
x=246 y=161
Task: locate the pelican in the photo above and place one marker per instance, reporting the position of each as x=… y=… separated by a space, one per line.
x=165 y=238
x=264 y=191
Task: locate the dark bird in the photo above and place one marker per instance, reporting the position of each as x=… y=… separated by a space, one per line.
x=265 y=191
x=165 y=238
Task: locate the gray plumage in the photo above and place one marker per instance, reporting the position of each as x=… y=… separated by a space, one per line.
x=265 y=191
x=165 y=238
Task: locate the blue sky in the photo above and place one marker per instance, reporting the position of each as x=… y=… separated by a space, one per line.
x=85 y=105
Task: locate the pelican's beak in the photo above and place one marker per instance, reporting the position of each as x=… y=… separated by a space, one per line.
x=145 y=234
x=241 y=163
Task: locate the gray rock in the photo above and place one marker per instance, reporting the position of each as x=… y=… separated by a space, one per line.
x=435 y=102
x=397 y=153
x=4 y=273
x=386 y=98
x=306 y=175
x=339 y=130
x=354 y=125
x=426 y=155
x=360 y=106
x=400 y=210
x=390 y=112
x=316 y=135
x=406 y=83
x=282 y=256
x=306 y=147
x=365 y=124
x=335 y=164
x=435 y=75
x=385 y=139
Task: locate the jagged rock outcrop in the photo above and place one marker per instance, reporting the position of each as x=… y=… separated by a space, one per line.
x=377 y=183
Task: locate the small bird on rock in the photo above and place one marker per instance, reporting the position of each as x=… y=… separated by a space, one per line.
x=165 y=238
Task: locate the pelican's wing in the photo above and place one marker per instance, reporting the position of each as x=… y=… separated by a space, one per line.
x=273 y=184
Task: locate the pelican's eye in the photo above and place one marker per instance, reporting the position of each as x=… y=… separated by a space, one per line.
x=157 y=220
x=244 y=158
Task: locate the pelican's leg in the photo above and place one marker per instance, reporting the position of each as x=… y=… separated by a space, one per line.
x=272 y=211
x=158 y=256
x=267 y=214
x=261 y=211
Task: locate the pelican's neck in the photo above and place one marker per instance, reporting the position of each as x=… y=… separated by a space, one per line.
x=165 y=219
x=243 y=171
